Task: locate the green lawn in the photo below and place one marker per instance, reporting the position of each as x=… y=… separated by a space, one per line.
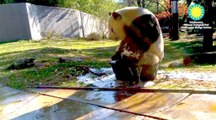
x=93 y=54
x=47 y=54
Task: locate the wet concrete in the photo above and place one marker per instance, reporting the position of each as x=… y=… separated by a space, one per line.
x=143 y=103
x=26 y=105
x=20 y=105
x=195 y=107
x=64 y=105
x=165 y=106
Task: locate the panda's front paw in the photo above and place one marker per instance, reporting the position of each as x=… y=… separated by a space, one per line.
x=148 y=84
x=145 y=84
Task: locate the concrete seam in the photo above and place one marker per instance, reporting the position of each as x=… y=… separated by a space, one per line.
x=175 y=103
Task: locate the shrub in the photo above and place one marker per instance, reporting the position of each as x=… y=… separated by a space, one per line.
x=52 y=35
x=93 y=36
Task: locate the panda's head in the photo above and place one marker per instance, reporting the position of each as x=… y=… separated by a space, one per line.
x=126 y=17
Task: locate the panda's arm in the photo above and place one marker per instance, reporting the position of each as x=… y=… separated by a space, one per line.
x=143 y=31
x=117 y=56
x=127 y=51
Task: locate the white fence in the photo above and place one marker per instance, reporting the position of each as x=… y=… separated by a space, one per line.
x=27 y=21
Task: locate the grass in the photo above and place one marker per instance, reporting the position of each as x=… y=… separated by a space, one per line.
x=175 y=51
x=47 y=54
x=49 y=71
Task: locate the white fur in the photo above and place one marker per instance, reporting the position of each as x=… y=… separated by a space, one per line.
x=156 y=51
x=128 y=15
x=154 y=55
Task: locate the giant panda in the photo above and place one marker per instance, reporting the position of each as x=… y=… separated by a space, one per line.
x=142 y=45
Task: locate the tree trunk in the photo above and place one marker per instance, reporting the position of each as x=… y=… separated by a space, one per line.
x=141 y=3
x=175 y=21
x=208 y=33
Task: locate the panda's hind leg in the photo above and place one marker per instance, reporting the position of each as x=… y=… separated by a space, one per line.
x=148 y=73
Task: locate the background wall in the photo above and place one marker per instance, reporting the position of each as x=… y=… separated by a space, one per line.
x=34 y=25
x=14 y=22
x=28 y=21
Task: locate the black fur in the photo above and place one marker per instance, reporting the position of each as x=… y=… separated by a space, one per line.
x=117 y=56
x=124 y=71
x=140 y=35
x=144 y=31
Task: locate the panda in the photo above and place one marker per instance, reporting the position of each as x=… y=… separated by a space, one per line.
x=142 y=46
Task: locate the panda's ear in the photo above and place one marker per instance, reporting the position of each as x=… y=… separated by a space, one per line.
x=116 y=15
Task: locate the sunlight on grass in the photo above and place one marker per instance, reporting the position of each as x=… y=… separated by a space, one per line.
x=92 y=53
x=47 y=53
x=175 y=51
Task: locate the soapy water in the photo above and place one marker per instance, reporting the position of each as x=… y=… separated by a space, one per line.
x=192 y=76
x=109 y=80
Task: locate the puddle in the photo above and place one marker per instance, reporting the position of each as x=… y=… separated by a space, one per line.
x=109 y=80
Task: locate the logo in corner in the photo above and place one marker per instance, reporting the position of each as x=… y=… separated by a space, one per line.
x=196 y=12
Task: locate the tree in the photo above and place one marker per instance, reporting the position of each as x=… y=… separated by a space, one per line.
x=37 y=2
x=141 y=3
x=6 y=1
x=208 y=33
x=100 y=8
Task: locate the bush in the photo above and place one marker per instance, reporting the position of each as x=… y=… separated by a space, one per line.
x=6 y=1
x=93 y=36
x=52 y=35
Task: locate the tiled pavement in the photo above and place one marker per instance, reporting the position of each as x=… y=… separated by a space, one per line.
x=73 y=104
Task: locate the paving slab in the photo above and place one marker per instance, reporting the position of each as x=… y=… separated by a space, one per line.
x=21 y=105
x=165 y=106
x=195 y=107
x=142 y=103
x=53 y=104
x=27 y=105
